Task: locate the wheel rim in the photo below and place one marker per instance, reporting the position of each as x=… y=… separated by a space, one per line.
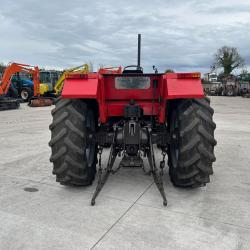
x=174 y=148
x=24 y=94
x=90 y=147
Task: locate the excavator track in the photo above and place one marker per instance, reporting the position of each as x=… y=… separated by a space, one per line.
x=9 y=103
x=41 y=101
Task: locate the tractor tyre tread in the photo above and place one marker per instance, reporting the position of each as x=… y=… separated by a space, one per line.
x=68 y=143
x=196 y=143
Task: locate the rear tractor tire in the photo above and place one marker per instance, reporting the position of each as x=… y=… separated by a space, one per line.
x=191 y=154
x=74 y=156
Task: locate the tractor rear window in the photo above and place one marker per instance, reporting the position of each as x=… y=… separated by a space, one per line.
x=132 y=82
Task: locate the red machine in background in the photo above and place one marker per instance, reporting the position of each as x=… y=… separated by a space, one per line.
x=133 y=112
x=110 y=70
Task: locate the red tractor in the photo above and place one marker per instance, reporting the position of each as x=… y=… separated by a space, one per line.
x=136 y=114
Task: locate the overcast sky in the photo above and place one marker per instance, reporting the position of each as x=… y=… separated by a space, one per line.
x=179 y=34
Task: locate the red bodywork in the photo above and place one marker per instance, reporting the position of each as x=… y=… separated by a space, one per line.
x=111 y=101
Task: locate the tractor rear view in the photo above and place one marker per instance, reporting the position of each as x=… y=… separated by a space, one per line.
x=136 y=114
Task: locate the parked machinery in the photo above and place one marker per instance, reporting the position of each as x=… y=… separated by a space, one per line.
x=133 y=112
x=244 y=84
x=216 y=88
x=59 y=84
x=244 y=88
x=7 y=101
x=24 y=86
x=212 y=88
x=206 y=87
x=211 y=84
x=230 y=86
x=48 y=81
x=110 y=70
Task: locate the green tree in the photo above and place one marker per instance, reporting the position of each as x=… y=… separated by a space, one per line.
x=227 y=58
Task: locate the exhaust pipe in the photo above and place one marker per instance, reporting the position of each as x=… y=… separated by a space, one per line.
x=139 y=52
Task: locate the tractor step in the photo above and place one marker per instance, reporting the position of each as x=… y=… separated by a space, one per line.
x=41 y=101
x=9 y=103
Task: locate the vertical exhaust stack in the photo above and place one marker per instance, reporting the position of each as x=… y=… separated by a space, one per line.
x=139 y=52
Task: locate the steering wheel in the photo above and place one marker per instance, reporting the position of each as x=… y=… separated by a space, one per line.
x=134 y=66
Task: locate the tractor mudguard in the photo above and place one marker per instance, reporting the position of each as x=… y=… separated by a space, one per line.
x=112 y=100
x=179 y=86
x=80 y=88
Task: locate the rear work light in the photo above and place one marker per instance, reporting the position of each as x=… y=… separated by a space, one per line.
x=189 y=75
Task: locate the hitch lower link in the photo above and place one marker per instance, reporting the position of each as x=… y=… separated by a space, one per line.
x=103 y=174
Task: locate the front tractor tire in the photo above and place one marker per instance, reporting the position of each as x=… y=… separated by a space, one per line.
x=73 y=156
x=191 y=152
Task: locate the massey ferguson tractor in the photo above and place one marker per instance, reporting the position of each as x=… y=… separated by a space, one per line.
x=135 y=113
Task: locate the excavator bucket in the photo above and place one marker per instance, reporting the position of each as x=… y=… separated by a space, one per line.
x=41 y=101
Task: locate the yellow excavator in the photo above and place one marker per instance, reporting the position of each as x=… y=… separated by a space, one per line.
x=82 y=69
x=48 y=79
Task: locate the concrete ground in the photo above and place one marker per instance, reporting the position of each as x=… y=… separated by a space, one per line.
x=129 y=212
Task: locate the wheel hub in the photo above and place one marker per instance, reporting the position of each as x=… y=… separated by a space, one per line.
x=24 y=94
